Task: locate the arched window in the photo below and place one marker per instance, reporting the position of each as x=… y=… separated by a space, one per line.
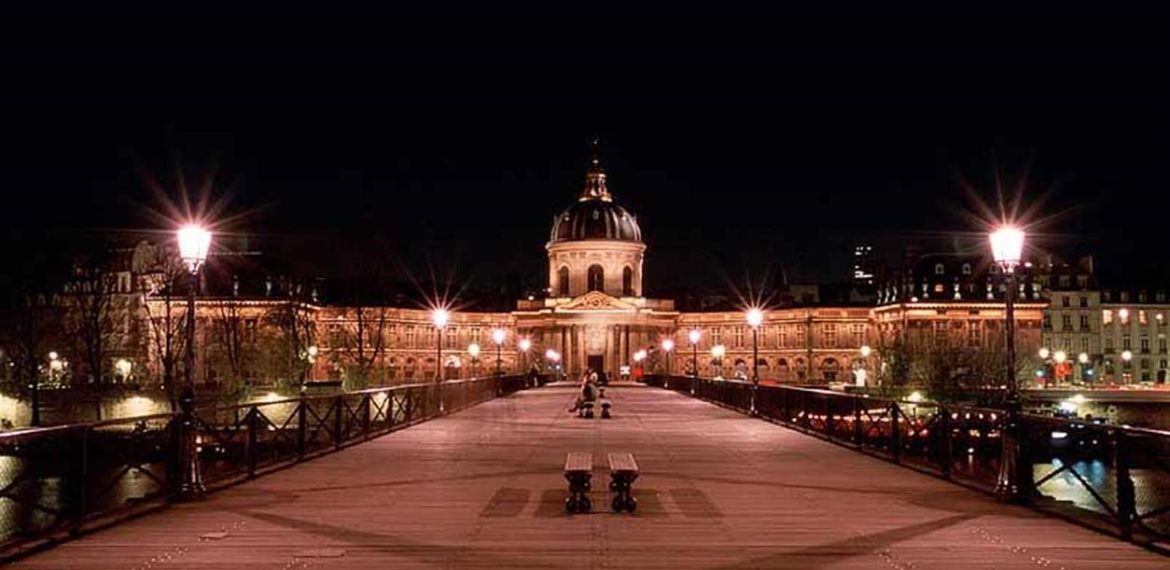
x=966 y=269
x=628 y=282
x=939 y=269
x=563 y=282
x=596 y=278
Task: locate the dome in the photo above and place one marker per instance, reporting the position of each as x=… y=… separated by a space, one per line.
x=595 y=215
x=598 y=219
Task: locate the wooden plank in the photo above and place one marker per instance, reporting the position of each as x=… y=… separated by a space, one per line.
x=480 y=489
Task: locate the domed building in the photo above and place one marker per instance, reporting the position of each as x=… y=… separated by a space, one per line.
x=595 y=315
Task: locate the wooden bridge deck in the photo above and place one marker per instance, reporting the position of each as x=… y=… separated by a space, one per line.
x=483 y=488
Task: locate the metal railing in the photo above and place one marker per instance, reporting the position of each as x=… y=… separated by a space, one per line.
x=1113 y=478
x=60 y=481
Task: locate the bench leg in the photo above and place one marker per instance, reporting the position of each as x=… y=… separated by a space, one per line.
x=578 y=499
x=623 y=499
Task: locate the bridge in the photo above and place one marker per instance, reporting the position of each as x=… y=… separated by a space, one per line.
x=482 y=487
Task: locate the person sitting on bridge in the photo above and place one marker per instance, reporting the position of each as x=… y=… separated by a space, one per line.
x=588 y=390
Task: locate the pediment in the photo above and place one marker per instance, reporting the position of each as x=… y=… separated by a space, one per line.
x=596 y=301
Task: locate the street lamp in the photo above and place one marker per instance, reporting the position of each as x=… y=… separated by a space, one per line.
x=498 y=336
x=754 y=318
x=194 y=244
x=473 y=351
x=717 y=352
x=1014 y=480
x=667 y=346
x=525 y=345
x=861 y=378
x=439 y=317
x=694 y=337
x=639 y=356
x=1126 y=356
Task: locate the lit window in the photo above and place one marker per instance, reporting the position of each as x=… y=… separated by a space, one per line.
x=1142 y=317
x=1107 y=316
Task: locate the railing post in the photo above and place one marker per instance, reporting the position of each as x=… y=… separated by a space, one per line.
x=302 y=426
x=946 y=455
x=191 y=473
x=338 y=408
x=1126 y=499
x=829 y=416
x=895 y=432
x=83 y=504
x=250 y=450
x=858 y=430
x=366 y=403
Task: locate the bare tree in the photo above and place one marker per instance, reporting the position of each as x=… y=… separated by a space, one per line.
x=229 y=339
x=167 y=323
x=295 y=326
x=91 y=299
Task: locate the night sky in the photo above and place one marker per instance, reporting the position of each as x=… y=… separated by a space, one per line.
x=722 y=183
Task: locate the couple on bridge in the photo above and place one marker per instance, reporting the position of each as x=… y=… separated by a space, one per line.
x=590 y=389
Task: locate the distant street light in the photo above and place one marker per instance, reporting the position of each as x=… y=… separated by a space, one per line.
x=694 y=336
x=498 y=337
x=439 y=318
x=473 y=351
x=667 y=346
x=194 y=245
x=525 y=345
x=1014 y=481
x=717 y=353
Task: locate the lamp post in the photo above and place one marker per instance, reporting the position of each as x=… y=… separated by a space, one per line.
x=554 y=358
x=473 y=352
x=863 y=377
x=194 y=243
x=717 y=353
x=1060 y=357
x=1126 y=357
x=754 y=318
x=498 y=336
x=311 y=354
x=439 y=317
x=525 y=345
x=1083 y=360
x=639 y=356
x=667 y=346
x=1014 y=480
x=694 y=337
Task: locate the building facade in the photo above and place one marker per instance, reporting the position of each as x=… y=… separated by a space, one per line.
x=597 y=315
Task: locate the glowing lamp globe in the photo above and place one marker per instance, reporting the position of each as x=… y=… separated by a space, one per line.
x=1126 y=355
x=525 y=344
x=1044 y=353
x=194 y=243
x=1060 y=356
x=866 y=351
x=440 y=317
x=498 y=336
x=755 y=317
x=718 y=351
x=694 y=336
x=667 y=344
x=1007 y=245
x=1083 y=358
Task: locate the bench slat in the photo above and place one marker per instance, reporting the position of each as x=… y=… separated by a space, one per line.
x=579 y=461
x=622 y=462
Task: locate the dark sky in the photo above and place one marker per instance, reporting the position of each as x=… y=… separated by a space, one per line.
x=722 y=182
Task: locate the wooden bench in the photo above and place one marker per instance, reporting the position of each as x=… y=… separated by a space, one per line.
x=623 y=470
x=605 y=406
x=578 y=472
